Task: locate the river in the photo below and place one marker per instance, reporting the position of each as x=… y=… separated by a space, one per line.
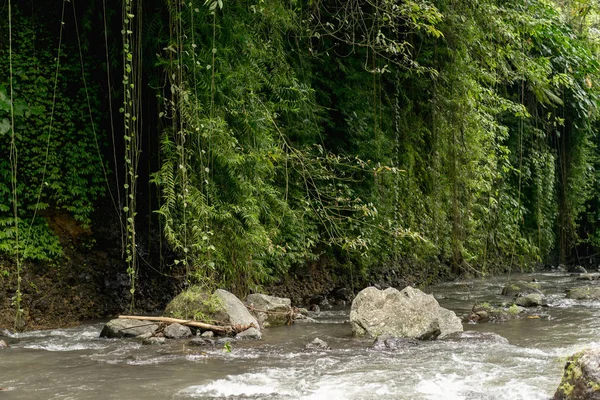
x=76 y=364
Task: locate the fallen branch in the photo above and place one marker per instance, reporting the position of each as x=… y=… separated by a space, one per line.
x=226 y=329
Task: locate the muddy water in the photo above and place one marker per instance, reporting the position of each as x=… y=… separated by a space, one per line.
x=76 y=364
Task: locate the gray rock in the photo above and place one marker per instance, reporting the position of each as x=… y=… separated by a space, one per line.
x=200 y=342
x=392 y=343
x=409 y=313
x=317 y=344
x=584 y=293
x=177 y=331
x=477 y=337
x=208 y=334
x=117 y=328
x=251 y=333
x=279 y=309
x=222 y=341
x=581 y=377
x=237 y=313
x=3 y=345
x=530 y=300
x=154 y=341
x=519 y=289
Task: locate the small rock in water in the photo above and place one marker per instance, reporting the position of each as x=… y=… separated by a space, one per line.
x=3 y=345
x=222 y=341
x=392 y=343
x=208 y=334
x=577 y=268
x=317 y=344
x=530 y=300
x=200 y=342
x=315 y=308
x=251 y=333
x=177 y=331
x=154 y=341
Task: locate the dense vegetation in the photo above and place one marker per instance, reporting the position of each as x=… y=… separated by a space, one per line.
x=435 y=137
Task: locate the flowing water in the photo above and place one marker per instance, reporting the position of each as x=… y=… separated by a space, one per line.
x=75 y=364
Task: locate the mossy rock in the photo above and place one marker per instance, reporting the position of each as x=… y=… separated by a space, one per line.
x=581 y=377
x=518 y=289
x=584 y=293
x=198 y=304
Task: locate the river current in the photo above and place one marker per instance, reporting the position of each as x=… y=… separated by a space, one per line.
x=76 y=364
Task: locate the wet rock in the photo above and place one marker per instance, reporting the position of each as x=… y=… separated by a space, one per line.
x=3 y=345
x=476 y=337
x=321 y=302
x=208 y=334
x=409 y=313
x=251 y=333
x=392 y=343
x=519 y=289
x=588 y=277
x=278 y=309
x=237 y=313
x=315 y=308
x=581 y=377
x=584 y=293
x=224 y=340
x=317 y=344
x=530 y=300
x=302 y=311
x=177 y=331
x=201 y=342
x=122 y=327
x=153 y=341
x=577 y=268
x=487 y=313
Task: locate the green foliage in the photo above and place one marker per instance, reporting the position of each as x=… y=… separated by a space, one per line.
x=58 y=162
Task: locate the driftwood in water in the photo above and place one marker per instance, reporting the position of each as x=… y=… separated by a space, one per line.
x=226 y=329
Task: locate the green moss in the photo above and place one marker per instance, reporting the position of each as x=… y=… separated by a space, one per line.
x=196 y=303
x=513 y=310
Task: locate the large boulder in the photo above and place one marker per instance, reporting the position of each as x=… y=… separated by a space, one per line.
x=581 y=377
x=278 y=310
x=237 y=313
x=219 y=308
x=198 y=304
x=584 y=293
x=118 y=328
x=409 y=313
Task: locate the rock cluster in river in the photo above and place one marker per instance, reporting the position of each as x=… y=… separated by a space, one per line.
x=584 y=293
x=270 y=310
x=409 y=313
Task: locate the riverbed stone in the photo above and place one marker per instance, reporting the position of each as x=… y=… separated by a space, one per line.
x=317 y=344
x=520 y=288
x=177 y=331
x=3 y=345
x=581 y=377
x=278 y=310
x=409 y=313
x=249 y=334
x=201 y=342
x=207 y=334
x=237 y=313
x=584 y=293
x=122 y=327
x=530 y=300
x=153 y=341
x=392 y=343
